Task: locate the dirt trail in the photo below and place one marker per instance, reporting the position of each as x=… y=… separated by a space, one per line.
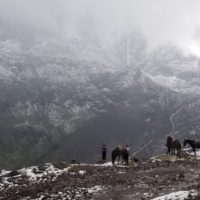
x=173 y=115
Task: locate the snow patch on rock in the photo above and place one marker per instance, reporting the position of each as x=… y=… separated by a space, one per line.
x=180 y=195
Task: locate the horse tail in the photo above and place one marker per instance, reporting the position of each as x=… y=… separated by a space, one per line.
x=115 y=153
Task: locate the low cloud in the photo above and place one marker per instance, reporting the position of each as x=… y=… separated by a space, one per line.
x=174 y=21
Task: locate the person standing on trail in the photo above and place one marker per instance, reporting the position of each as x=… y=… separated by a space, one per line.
x=103 y=151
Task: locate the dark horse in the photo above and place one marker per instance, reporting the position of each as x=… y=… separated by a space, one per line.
x=195 y=145
x=120 y=153
x=173 y=145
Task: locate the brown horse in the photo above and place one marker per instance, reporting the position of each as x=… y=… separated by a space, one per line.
x=172 y=145
x=120 y=153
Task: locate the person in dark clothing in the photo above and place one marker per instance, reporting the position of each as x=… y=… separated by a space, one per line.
x=103 y=151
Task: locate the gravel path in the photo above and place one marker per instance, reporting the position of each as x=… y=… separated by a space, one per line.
x=141 y=181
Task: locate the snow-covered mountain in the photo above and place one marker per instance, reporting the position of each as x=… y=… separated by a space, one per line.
x=62 y=98
x=168 y=66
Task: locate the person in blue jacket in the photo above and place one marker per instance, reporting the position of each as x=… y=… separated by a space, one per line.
x=103 y=151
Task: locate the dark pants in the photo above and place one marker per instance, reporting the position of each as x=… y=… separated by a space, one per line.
x=103 y=155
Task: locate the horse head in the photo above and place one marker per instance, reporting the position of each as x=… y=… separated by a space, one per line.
x=186 y=141
x=169 y=140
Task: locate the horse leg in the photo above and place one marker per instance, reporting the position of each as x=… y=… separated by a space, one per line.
x=168 y=150
x=113 y=159
x=194 y=150
x=171 y=151
x=127 y=160
x=178 y=153
x=119 y=158
x=123 y=160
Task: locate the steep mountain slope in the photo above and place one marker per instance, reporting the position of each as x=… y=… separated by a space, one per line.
x=171 y=68
x=45 y=99
x=61 y=99
x=49 y=103
x=140 y=118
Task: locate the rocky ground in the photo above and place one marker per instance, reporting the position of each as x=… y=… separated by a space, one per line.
x=138 y=181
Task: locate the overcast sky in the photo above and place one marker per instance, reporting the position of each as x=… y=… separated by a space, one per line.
x=161 y=21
